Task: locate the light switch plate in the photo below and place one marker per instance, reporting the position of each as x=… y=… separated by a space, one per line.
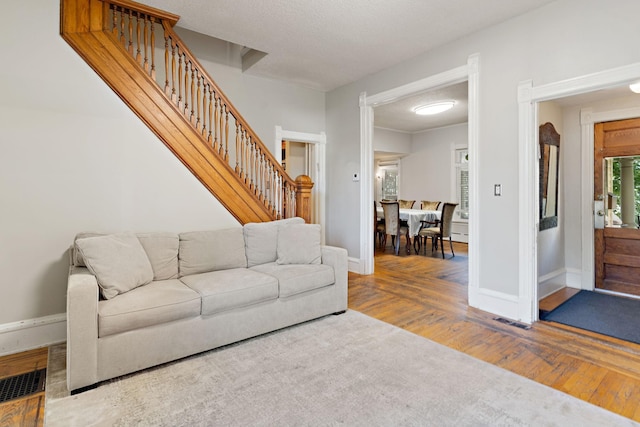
x=497 y=190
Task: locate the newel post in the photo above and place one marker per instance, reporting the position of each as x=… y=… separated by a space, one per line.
x=303 y=197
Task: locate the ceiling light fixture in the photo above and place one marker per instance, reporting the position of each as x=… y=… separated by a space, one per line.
x=434 y=108
x=635 y=87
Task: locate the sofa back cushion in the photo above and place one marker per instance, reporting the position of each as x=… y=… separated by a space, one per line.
x=299 y=244
x=118 y=261
x=203 y=251
x=261 y=240
x=76 y=255
x=162 y=250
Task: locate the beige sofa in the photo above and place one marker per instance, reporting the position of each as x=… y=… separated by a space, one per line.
x=139 y=300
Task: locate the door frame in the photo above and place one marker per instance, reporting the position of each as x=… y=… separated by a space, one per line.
x=319 y=142
x=468 y=72
x=528 y=98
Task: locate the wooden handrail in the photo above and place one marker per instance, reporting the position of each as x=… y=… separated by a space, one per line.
x=161 y=15
x=146 y=36
x=190 y=88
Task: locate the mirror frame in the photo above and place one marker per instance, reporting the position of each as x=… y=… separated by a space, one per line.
x=548 y=136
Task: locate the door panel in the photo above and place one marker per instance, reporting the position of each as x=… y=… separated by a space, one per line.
x=617 y=246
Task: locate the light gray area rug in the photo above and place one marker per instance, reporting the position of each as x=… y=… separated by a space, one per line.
x=339 y=370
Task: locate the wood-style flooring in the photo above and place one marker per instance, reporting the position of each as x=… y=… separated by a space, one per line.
x=428 y=296
x=28 y=410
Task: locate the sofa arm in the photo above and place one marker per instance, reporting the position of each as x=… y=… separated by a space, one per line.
x=82 y=328
x=338 y=259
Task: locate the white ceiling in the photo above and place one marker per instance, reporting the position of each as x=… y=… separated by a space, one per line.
x=399 y=115
x=325 y=44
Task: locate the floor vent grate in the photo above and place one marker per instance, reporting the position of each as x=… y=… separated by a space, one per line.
x=512 y=323
x=22 y=385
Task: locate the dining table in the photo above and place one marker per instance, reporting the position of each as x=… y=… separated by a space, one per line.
x=413 y=217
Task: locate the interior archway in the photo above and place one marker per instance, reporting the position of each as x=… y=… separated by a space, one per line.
x=468 y=72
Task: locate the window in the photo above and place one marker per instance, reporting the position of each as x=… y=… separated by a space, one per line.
x=389 y=180
x=462 y=183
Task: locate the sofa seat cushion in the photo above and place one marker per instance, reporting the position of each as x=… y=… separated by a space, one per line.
x=297 y=278
x=158 y=302
x=234 y=288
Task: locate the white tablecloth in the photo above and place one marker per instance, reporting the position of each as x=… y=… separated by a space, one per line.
x=413 y=217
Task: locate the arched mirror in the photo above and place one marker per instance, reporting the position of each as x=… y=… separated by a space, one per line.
x=549 y=140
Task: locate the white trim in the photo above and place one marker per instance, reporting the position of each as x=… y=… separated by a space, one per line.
x=501 y=304
x=396 y=130
x=573 y=278
x=32 y=333
x=587 y=281
x=556 y=276
x=528 y=184
x=473 y=129
x=588 y=119
x=468 y=72
x=366 y=184
x=528 y=96
x=319 y=141
x=354 y=265
x=447 y=78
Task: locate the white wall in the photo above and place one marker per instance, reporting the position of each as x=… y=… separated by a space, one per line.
x=561 y=40
x=427 y=171
x=551 y=241
x=390 y=141
x=297 y=159
x=75 y=158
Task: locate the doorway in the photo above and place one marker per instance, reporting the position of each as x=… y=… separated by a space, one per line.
x=616 y=190
x=315 y=145
x=589 y=87
x=469 y=73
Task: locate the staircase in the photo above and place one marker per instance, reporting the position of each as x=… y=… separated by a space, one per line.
x=135 y=50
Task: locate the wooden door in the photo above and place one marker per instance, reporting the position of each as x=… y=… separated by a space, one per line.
x=617 y=244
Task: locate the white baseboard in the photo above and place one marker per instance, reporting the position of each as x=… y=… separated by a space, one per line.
x=32 y=333
x=574 y=278
x=355 y=266
x=558 y=276
x=551 y=282
x=558 y=279
x=499 y=303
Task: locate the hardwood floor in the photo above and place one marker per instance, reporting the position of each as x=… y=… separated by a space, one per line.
x=554 y=300
x=428 y=296
x=28 y=410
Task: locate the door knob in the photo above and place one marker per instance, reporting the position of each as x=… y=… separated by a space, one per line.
x=600 y=213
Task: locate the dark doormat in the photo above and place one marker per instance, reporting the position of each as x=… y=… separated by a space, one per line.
x=605 y=314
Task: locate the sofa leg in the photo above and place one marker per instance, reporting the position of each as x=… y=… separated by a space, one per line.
x=337 y=313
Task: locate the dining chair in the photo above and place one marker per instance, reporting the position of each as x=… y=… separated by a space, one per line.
x=393 y=226
x=427 y=205
x=406 y=204
x=437 y=232
x=378 y=228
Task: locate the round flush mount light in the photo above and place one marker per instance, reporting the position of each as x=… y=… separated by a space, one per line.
x=635 y=87
x=434 y=108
